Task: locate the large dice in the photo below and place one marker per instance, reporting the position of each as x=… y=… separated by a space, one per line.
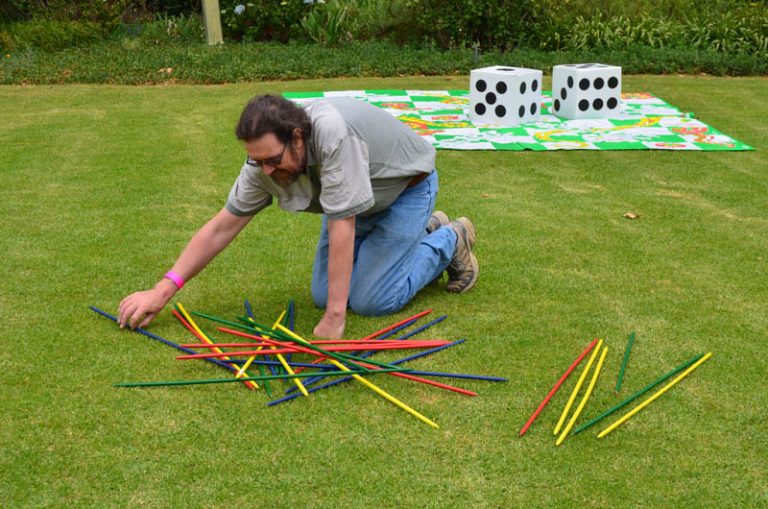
x=504 y=95
x=586 y=91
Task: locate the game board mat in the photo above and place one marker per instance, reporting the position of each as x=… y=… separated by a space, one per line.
x=646 y=122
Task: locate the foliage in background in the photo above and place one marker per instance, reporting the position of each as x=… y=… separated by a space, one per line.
x=49 y=35
x=262 y=20
x=326 y=23
x=730 y=37
x=727 y=33
x=488 y=23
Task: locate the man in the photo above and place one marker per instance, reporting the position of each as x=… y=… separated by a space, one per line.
x=375 y=183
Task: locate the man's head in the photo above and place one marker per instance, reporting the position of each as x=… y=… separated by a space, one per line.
x=274 y=132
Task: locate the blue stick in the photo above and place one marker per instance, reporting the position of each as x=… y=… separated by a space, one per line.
x=348 y=378
x=249 y=312
x=163 y=340
x=291 y=364
x=367 y=353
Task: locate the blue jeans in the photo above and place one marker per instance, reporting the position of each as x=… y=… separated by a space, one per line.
x=394 y=257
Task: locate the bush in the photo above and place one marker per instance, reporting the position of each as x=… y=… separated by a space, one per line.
x=484 y=23
x=49 y=35
x=262 y=20
x=165 y=29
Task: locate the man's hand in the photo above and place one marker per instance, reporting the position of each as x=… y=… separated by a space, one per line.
x=330 y=327
x=140 y=308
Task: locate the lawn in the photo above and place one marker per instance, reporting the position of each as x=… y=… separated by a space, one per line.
x=101 y=187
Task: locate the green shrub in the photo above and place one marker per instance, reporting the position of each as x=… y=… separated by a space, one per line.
x=487 y=23
x=50 y=35
x=326 y=23
x=105 y=12
x=262 y=20
x=166 y=29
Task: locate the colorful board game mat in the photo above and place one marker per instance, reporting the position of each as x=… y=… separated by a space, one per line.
x=646 y=122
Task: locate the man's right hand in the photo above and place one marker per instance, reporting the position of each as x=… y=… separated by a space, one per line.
x=140 y=308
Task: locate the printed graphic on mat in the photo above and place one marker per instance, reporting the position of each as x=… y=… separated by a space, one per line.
x=645 y=122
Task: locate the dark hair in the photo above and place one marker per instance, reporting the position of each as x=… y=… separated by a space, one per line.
x=274 y=114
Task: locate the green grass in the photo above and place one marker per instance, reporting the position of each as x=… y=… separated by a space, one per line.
x=101 y=186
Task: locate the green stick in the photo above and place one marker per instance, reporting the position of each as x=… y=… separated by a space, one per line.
x=255 y=378
x=277 y=334
x=624 y=362
x=636 y=395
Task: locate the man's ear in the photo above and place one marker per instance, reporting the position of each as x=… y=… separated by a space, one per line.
x=298 y=138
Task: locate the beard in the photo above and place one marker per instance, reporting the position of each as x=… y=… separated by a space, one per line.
x=284 y=178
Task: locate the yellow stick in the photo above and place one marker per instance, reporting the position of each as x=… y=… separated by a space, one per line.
x=368 y=384
x=206 y=339
x=253 y=357
x=654 y=397
x=584 y=399
x=578 y=386
x=285 y=364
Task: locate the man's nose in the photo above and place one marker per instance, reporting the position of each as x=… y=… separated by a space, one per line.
x=267 y=169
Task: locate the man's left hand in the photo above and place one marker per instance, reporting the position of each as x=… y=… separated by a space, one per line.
x=330 y=327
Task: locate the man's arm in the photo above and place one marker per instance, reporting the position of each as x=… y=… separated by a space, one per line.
x=341 y=238
x=140 y=308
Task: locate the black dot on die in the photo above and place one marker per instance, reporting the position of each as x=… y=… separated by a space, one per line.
x=597 y=104
x=535 y=85
x=481 y=85
x=570 y=81
x=501 y=111
x=534 y=108
x=522 y=87
x=521 y=111
x=612 y=103
x=480 y=108
x=584 y=84
x=613 y=82
x=599 y=83
x=557 y=104
x=563 y=94
x=490 y=98
x=501 y=87
x=583 y=105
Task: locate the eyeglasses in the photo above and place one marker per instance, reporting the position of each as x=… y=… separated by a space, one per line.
x=272 y=161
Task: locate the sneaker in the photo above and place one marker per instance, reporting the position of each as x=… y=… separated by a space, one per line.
x=436 y=220
x=463 y=269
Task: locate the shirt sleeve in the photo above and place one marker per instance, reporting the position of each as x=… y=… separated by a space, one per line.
x=247 y=197
x=345 y=183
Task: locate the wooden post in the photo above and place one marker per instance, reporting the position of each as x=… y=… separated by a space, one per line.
x=212 y=17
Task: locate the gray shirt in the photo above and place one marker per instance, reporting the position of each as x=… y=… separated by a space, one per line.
x=359 y=160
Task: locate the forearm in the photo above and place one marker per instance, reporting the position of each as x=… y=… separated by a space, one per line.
x=341 y=235
x=204 y=246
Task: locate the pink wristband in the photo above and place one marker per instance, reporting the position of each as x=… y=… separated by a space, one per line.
x=175 y=278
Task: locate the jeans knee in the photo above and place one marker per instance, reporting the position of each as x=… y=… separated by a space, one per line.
x=370 y=306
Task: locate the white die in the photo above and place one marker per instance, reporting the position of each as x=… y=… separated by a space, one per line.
x=586 y=91
x=504 y=95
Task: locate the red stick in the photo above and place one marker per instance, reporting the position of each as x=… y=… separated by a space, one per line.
x=557 y=386
x=432 y=382
x=286 y=349
x=252 y=386
x=379 y=333
x=398 y=324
